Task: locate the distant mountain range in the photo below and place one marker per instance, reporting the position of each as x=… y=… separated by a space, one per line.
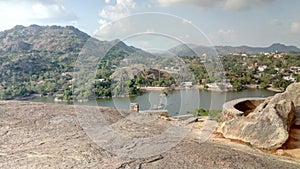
x=70 y=39
x=194 y=50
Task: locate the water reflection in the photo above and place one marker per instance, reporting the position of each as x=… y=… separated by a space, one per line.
x=176 y=102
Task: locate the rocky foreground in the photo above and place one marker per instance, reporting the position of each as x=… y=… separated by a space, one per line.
x=272 y=123
x=37 y=135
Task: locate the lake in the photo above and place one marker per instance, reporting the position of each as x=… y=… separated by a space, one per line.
x=177 y=102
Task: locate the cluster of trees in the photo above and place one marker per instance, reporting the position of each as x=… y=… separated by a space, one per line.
x=243 y=70
x=24 y=73
x=32 y=72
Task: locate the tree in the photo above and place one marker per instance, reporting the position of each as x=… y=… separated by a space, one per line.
x=41 y=89
x=50 y=87
x=263 y=85
x=87 y=94
x=133 y=90
x=249 y=77
x=5 y=94
x=237 y=84
x=265 y=79
x=140 y=81
x=68 y=94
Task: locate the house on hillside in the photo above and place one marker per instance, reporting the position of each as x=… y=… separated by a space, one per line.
x=277 y=56
x=289 y=78
x=250 y=66
x=262 y=68
x=99 y=80
x=295 y=69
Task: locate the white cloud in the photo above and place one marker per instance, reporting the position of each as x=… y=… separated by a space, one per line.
x=238 y=5
x=169 y=2
x=121 y=9
x=198 y=3
x=16 y=12
x=223 y=36
x=276 y=22
x=162 y=25
x=225 y=32
x=51 y=11
x=110 y=13
x=235 y=5
x=295 y=27
x=41 y=11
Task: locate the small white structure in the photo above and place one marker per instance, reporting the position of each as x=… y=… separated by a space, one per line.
x=186 y=84
x=289 y=78
x=220 y=86
x=295 y=69
x=99 y=80
x=262 y=68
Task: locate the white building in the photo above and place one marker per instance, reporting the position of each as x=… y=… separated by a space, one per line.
x=295 y=69
x=262 y=68
x=186 y=84
x=289 y=78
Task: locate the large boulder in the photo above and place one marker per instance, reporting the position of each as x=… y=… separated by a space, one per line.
x=268 y=125
x=293 y=93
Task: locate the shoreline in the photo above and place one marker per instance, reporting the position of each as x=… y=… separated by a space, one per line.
x=147 y=89
x=274 y=89
x=153 y=88
x=253 y=86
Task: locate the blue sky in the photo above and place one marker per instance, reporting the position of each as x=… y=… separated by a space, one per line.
x=221 y=22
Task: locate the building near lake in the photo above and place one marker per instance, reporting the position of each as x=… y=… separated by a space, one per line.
x=220 y=86
x=186 y=84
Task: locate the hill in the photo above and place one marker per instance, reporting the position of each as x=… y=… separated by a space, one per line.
x=40 y=59
x=42 y=38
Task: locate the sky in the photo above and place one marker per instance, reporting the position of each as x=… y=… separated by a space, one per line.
x=159 y=24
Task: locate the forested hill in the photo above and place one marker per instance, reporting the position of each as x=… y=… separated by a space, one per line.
x=40 y=59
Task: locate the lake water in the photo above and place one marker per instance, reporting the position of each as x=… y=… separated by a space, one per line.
x=176 y=102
